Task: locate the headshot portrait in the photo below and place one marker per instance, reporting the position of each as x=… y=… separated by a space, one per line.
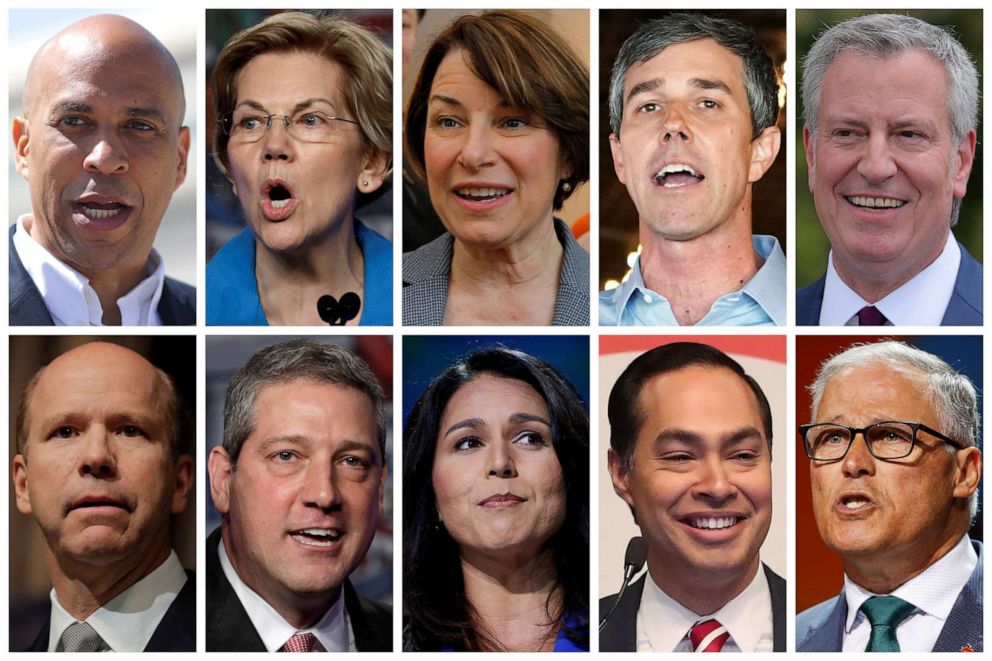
x=299 y=209
x=889 y=528
x=496 y=135
x=692 y=201
x=102 y=524
x=102 y=196
x=496 y=494
x=299 y=553
x=690 y=474
x=888 y=229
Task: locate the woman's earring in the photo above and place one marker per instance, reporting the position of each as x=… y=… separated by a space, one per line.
x=567 y=187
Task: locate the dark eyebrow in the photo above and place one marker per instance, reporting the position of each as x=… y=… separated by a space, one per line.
x=150 y=113
x=469 y=423
x=306 y=103
x=642 y=87
x=503 y=103
x=517 y=418
x=708 y=84
x=294 y=440
x=71 y=106
x=692 y=438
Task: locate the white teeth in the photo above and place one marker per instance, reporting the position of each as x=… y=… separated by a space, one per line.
x=278 y=204
x=714 y=523
x=676 y=168
x=855 y=503
x=101 y=214
x=875 y=202
x=317 y=536
x=482 y=193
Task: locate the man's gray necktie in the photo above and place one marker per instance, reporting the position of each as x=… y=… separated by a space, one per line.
x=81 y=637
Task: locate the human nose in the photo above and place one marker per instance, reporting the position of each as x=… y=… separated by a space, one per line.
x=876 y=164
x=858 y=460
x=107 y=156
x=714 y=481
x=319 y=486
x=674 y=126
x=98 y=456
x=500 y=460
x=478 y=150
x=277 y=142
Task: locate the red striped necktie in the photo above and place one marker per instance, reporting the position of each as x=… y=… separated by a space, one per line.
x=708 y=636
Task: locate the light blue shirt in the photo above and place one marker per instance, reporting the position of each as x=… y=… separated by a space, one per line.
x=760 y=302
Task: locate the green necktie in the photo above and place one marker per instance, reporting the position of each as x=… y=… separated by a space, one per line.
x=885 y=614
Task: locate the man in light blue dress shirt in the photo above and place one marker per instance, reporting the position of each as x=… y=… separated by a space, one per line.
x=693 y=107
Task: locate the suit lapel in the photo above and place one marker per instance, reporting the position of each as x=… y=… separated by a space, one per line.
x=963 y=628
x=177 y=630
x=776 y=587
x=829 y=636
x=229 y=629
x=620 y=632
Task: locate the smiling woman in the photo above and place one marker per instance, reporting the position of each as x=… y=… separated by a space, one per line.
x=498 y=128
x=304 y=105
x=495 y=526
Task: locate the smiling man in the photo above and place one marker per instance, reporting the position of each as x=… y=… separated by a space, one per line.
x=693 y=104
x=299 y=484
x=690 y=454
x=102 y=146
x=895 y=472
x=890 y=105
x=101 y=467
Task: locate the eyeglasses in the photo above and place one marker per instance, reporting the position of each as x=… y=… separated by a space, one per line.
x=889 y=439
x=248 y=125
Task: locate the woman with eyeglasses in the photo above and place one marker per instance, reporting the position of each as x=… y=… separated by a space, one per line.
x=304 y=104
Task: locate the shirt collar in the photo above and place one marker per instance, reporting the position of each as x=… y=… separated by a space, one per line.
x=128 y=621
x=333 y=630
x=933 y=591
x=70 y=298
x=767 y=287
x=667 y=622
x=902 y=307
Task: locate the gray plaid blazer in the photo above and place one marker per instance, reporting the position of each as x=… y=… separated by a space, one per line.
x=426 y=271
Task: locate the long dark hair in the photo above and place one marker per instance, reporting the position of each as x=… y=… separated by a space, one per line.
x=439 y=616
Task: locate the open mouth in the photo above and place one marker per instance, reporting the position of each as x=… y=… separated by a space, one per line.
x=854 y=502
x=865 y=202
x=713 y=522
x=278 y=201
x=320 y=537
x=279 y=196
x=103 y=211
x=677 y=175
x=482 y=194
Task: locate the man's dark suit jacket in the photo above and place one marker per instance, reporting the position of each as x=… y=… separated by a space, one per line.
x=175 y=633
x=229 y=629
x=620 y=632
x=177 y=307
x=964 y=308
x=821 y=627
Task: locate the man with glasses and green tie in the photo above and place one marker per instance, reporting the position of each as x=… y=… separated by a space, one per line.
x=895 y=471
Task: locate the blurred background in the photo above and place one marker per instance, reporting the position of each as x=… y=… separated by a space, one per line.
x=226 y=354
x=811 y=243
x=224 y=216
x=29 y=583
x=618 y=240
x=28 y=29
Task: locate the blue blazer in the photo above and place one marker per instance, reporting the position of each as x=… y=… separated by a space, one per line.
x=177 y=307
x=821 y=628
x=620 y=632
x=964 y=308
x=176 y=632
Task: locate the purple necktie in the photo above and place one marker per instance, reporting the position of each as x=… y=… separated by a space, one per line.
x=870 y=316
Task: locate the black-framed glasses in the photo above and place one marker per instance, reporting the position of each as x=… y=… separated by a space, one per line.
x=889 y=439
x=250 y=125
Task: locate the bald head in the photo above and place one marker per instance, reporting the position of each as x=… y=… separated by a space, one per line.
x=97 y=369
x=101 y=41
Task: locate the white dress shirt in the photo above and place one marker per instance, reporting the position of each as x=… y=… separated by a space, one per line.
x=333 y=631
x=921 y=301
x=128 y=621
x=663 y=624
x=70 y=298
x=933 y=592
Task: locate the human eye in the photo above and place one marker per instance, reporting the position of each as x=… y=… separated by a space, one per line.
x=648 y=107
x=311 y=120
x=708 y=104
x=355 y=461
x=63 y=432
x=531 y=438
x=446 y=122
x=746 y=456
x=141 y=126
x=514 y=123
x=676 y=458
x=248 y=123
x=131 y=431
x=467 y=443
x=284 y=456
x=71 y=122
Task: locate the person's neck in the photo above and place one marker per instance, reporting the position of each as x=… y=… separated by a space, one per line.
x=883 y=573
x=534 y=258
x=82 y=587
x=290 y=283
x=873 y=281
x=701 y=590
x=693 y=274
x=510 y=595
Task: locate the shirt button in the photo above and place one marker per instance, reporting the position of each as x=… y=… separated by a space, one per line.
x=648 y=298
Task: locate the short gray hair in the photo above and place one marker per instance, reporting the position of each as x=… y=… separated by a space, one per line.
x=950 y=393
x=760 y=82
x=886 y=35
x=296 y=359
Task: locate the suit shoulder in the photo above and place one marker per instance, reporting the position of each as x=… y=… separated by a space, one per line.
x=813 y=617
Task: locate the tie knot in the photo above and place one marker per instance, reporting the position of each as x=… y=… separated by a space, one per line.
x=886 y=611
x=869 y=315
x=708 y=636
x=301 y=642
x=80 y=637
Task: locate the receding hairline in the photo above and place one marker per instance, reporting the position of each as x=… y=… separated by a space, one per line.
x=106 y=33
